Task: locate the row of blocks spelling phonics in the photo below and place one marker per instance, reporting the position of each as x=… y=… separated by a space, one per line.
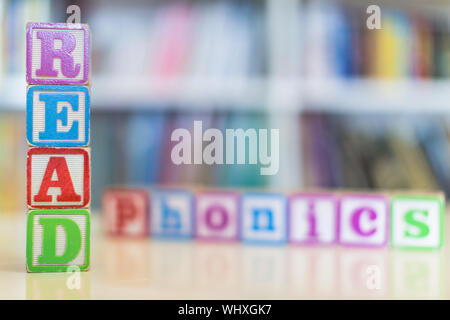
x=58 y=160
x=353 y=219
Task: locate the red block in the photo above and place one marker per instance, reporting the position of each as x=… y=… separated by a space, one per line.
x=58 y=178
x=126 y=211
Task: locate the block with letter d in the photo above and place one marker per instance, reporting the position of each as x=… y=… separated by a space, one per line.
x=58 y=178
x=58 y=116
x=263 y=218
x=57 y=53
x=417 y=221
x=171 y=214
x=58 y=239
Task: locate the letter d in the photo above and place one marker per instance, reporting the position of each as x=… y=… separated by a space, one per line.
x=49 y=232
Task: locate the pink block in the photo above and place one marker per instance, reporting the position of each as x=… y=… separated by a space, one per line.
x=57 y=53
x=126 y=211
x=363 y=220
x=312 y=219
x=217 y=216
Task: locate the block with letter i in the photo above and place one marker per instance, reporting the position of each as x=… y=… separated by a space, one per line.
x=58 y=239
x=417 y=222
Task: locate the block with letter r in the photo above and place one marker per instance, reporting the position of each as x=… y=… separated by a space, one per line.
x=58 y=239
x=58 y=178
x=58 y=116
x=57 y=53
x=263 y=218
x=172 y=214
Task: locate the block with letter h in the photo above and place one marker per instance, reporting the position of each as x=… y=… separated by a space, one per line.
x=263 y=218
x=126 y=211
x=171 y=214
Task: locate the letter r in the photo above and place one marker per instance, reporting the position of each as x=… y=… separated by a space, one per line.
x=50 y=53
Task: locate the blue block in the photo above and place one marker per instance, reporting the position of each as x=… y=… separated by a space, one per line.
x=58 y=116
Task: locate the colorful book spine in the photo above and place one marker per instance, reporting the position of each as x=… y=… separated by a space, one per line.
x=58 y=158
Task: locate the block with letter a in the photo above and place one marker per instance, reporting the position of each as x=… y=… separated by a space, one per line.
x=58 y=178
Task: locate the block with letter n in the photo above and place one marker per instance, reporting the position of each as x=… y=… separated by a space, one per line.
x=57 y=53
x=58 y=239
x=58 y=178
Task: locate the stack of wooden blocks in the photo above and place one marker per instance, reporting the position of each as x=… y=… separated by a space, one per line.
x=58 y=158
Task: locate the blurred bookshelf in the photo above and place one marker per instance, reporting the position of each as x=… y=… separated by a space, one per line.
x=311 y=68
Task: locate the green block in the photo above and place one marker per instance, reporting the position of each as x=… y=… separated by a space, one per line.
x=417 y=222
x=58 y=239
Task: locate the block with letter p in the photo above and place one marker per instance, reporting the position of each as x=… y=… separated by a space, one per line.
x=58 y=178
x=58 y=116
x=417 y=221
x=58 y=239
x=126 y=211
x=57 y=53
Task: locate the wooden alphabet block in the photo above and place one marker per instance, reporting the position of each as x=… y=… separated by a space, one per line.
x=58 y=116
x=263 y=218
x=313 y=218
x=57 y=53
x=172 y=214
x=363 y=220
x=217 y=215
x=417 y=221
x=58 y=178
x=126 y=211
x=57 y=240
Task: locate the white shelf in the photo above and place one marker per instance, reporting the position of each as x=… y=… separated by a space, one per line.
x=275 y=94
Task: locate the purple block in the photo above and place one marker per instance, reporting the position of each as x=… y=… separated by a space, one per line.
x=363 y=220
x=57 y=53
x=312 y=219
x=217 y=215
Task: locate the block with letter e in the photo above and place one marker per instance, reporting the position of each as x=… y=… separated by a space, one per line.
x=263 y=218
x=58 y=116
x=172 y=214
x=57 y=53
x=58 y=178
x=126 y=211
x=417 y=221
x=58 y=239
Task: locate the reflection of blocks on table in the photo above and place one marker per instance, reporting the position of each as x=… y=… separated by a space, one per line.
x=417 y=222
x=312 y=218
x=57 y=240
x=172 y=214
x=58 y=178
x=126 y=211
x=58 y=116
x=363 y=220
x=217 y=215
x=57 y=53
x=263 y=218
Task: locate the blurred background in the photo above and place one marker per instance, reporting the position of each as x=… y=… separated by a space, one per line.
x=356 y=108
